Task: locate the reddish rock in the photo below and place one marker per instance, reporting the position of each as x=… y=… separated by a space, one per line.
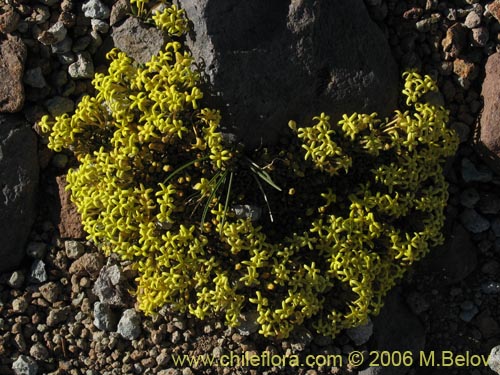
x=88 y=264
x=489 y=126
x=12 y=57
x=455 y=40
x=70 y=222
x=494 y=9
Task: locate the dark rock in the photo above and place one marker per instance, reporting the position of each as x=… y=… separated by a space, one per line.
x=272 y=61
x=104 y=318
x=138 y=40
x=12 y=58
x=18 y=185
x=68 y=219
x=488 y=143
x=397 y=329
x=480 y=36
x=455 y=260
x=474 y=222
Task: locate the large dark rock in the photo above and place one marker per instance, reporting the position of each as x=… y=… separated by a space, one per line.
x=272 y=61
x=488 y=142
x=18 y=186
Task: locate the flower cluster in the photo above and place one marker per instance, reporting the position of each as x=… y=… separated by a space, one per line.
x=151 y=158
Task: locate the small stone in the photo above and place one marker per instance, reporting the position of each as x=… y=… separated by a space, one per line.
x=55 y=34
x=38 y=274
x=494 y=357
x=25 y=365
x=469 y=197
x=35 y=78
x=87 y=264
x=39 y=352
x=83 y=67
x=50 y=291
x=360 y=335
x=59 y=105
x=107 y=288
x=74 y=249
x=104 y=318
x=99 y=26
x=9 y=19
x=20 y=304
x=63 y=47
x=57 y=316
x=480 y=36
x=129 y=325
x=472 y=20
x=95 y=9
x=487 y=325
x=424 y=25
x=456 y=40
x=36 y=250
x=465 y=69
x=119 y=11
x=490 y=287
x=16 y=279
x=472 y=174
x=474 y=222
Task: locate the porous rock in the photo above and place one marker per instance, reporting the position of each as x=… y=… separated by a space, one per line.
x=18 y=187
x=12 y=58
x=138 y=40
x=488 y=143
x=272 y=61
x=68 y=219
x=107 y=287
x=129 y=325
x=25 y=365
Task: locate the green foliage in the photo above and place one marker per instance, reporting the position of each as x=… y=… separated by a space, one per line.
x=366 y=197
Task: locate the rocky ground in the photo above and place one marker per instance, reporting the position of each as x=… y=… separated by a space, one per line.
x=67 y=309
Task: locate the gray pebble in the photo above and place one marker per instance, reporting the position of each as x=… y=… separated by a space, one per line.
x=490 y=287
x=489 y=204
x=469 y=197
x=25 y=365
x=59 y=105
x=55 y=34
x=74 y=249
x=82 y=67
x=474 y=222
x=472 y=174
x=247 y=211
x=104 y=318
x=16 y=279
x=36 y=250
x=472 y=20
x=66 y=58
x=34 y=78
x=494 y=359
x=63 y=46
x=95 y=9
x=99 y=26
x=129 y=325
x=38 y=273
